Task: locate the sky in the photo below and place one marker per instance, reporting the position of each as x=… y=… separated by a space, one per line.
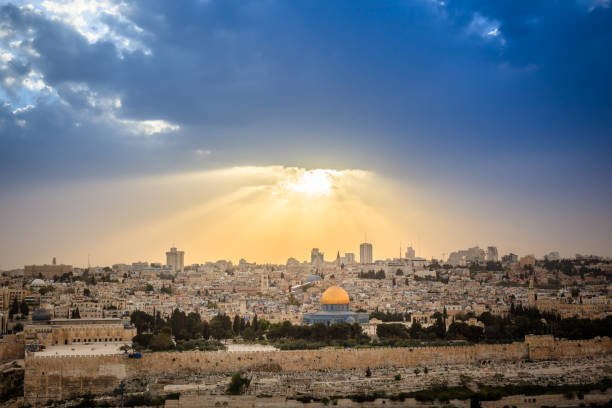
x=260 y=129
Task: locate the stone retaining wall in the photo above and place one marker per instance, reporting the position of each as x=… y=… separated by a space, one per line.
x=56 y=378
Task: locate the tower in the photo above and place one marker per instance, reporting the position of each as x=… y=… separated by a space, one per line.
x=265 y=281
x=243 y=306
x=365 y=253
x=410 y=253
x=316 y=257
x=175 y=259
x=532 y=295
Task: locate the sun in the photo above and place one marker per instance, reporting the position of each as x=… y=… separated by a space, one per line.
x=315 y=182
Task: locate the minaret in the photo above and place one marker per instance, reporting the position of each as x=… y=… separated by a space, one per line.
x=243 y=307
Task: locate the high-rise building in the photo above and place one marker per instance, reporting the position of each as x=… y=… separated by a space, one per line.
x=475 y=255
x=349 y=258
x=365 y=253
x=552 y=256
x=492 y=255
x=510 y=258
x=410 y=253
x=457 y=258
x=175 y=259
x=527 y=260
x=316 y=257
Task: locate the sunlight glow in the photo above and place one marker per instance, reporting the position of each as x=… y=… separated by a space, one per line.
x=314 y=182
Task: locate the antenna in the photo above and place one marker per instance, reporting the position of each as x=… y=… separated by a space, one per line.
x=88 y=264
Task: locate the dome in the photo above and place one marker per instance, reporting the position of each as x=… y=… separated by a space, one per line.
x=335 y=295
x=313 y=278
x=41 y=315
x=37 y=282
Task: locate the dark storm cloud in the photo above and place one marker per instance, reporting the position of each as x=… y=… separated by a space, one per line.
x=265 y=80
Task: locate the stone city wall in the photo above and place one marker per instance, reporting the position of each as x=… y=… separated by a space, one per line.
x=11 y=348
x=56 y=378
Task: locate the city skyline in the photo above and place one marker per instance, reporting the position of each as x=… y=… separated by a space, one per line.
x=175 y=258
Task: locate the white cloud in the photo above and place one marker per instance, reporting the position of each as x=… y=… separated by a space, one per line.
x=91 y=19
x=594 y=4
x=106 y=108
x=495 y=32
x=35 y=82
x=23 y=109
x=5 y=56
x=148 y=127
x=486 y=28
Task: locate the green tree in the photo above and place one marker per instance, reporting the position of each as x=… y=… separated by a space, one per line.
x=162 y=340
x=254 y=325
x=249 y=334
x=75 y=314
x=220 y=327
x=236 y=325
x=23 y=308
x=238 y=384
x=14 y=308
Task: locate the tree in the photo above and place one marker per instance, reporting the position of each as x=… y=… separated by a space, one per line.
x=126 y=348
x=254 y=325
x=236 y=325
x=86 y=292
x=248 y=334
x=144 y=322
x=14 y=308
x=368 y=372
x=392 y=330
x=162 y=340
x=439 y=327
x=23 y=308
x=75 y=314
x=17 y=328
x=238 y=384
x=220 y=327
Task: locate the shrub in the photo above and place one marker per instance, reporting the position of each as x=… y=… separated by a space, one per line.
x=238 y=384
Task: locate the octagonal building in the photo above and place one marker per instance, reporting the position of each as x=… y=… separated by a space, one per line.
x=335 y=308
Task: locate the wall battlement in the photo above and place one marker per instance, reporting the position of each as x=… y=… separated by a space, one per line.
x=57 y=377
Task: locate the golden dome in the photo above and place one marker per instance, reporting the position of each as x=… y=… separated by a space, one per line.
x=335 y=295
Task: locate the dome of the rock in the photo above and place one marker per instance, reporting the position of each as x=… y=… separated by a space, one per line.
x=335 y=295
